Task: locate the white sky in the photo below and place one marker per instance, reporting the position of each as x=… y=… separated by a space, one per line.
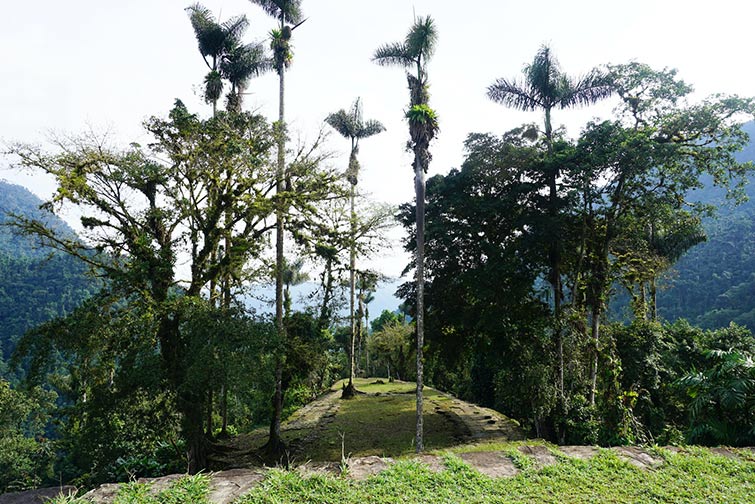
x=110 y=64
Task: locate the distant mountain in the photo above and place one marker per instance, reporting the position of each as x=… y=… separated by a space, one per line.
x=714 y=283
x=35 y=283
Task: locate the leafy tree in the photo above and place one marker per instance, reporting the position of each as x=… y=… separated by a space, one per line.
x=546 y=87
x=352 y=126
x=413 y=54
x=650 y=162
x=139 y=215
x=391 y=346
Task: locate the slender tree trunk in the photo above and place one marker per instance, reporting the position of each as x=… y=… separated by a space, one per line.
x=419 y=185
x=275 y=446
x=555 y=256
x=350 y=390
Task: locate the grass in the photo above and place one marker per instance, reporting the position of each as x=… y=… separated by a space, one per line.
x=381 y=425
x=698 y=476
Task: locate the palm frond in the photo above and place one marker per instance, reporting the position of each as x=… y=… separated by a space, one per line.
x=395 y=54
x=289 y=9
x=586 y=90
x=342 y=122
x=234 y=29
x=513 y=94
x=371 y=127
x=210 y=35
x=422 y=38
x=244 y=62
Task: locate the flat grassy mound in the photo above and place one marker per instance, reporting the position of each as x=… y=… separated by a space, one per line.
x=382 y=421
x=379 y=420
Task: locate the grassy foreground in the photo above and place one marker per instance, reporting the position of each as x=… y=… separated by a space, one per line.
x=695 y=476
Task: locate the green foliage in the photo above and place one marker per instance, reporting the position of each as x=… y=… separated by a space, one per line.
x=381 y=321
x=391 y=346
x=722 y=410
x=26 y=455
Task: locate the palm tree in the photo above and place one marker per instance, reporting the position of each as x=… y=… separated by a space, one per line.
x=216 y=42
x=285 y=11
x=352 y=126
x=413 y=53
x=546 y=87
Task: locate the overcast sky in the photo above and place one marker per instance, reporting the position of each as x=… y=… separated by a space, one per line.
x=106 y=64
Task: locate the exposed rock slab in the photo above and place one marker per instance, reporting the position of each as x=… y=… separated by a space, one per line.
x=541 y=455
x=433 y=462
x=227 y=486
x=103 y=494
x=319 y=468
x=492 y=464
x=725 y=452
x=579 y=452
x=36 y=496
x=638 y=457
x=361 y=468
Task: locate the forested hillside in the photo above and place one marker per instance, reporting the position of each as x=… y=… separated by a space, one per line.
x=35 y=285
x=714 y=283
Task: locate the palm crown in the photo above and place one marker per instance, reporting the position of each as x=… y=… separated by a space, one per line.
x=289 y=11
x=351 y=125
x=416 y=49
x=546 y=87
x=224 y=54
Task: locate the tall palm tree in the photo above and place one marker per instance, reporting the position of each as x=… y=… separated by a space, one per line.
x=413 y=53
x=546 y=87
x=352 y=126
x=287 y=12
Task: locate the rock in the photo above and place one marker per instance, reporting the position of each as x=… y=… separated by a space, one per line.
x=579 y=452
x=541 y=455
x=363 y=467
x=637 y=457
x=433 y=462
x=227 y=486
x=103 y=494
x=319 y=468
x=36 y=496
x=491 y=464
